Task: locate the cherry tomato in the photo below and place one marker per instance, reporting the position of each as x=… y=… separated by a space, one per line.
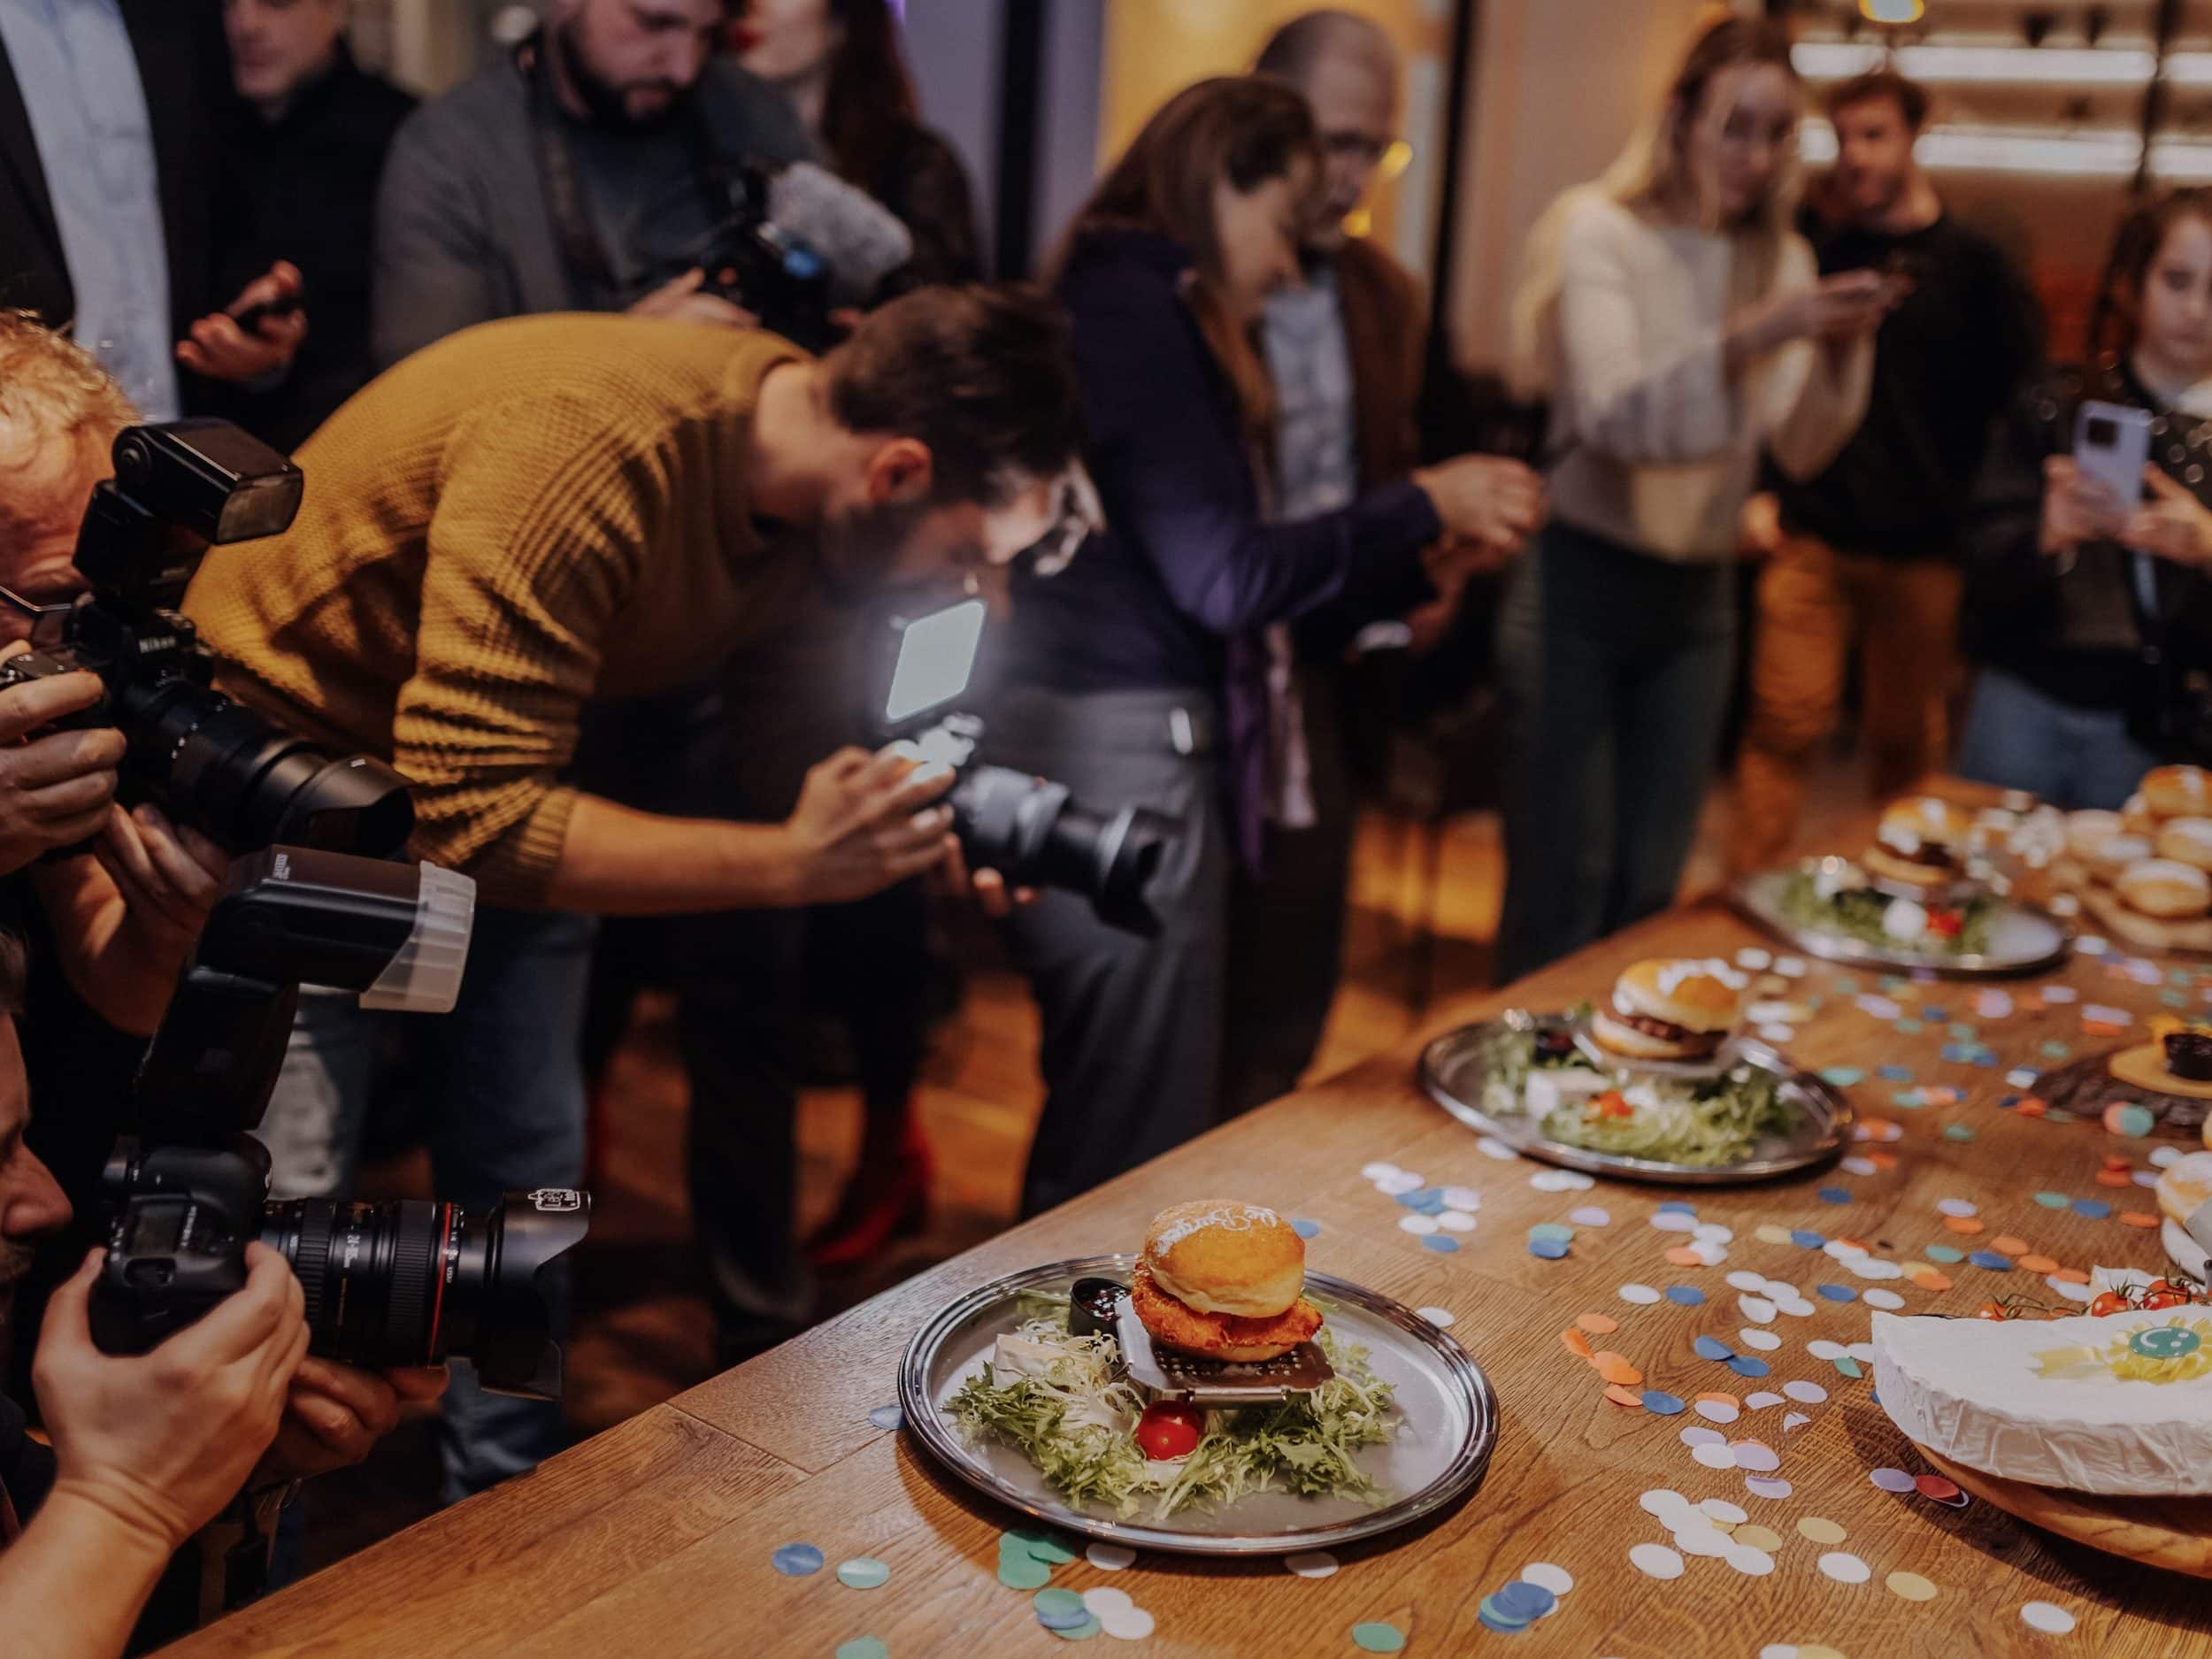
x=2154 y=1300
x=2108 y=1301
x=1168 y=1432
x=1946 y=923
x=1612 y=1103
x=1989 y=1310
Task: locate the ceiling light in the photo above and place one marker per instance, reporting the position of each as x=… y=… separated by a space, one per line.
x=1891 y=11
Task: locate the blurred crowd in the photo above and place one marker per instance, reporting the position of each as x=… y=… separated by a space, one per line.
x=533 y=344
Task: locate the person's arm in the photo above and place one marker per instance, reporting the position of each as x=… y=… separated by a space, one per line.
x=1819 y=385
x=433 y=260
x=74 y=1584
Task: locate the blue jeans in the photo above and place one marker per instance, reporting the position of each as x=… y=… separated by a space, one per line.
x=2019 y=738
x=502 y=1078
x=1617 y=669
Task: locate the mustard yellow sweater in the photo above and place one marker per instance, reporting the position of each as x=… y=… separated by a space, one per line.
x=516 y=519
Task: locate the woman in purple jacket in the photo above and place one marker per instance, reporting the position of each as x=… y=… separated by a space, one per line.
x=1141 y=672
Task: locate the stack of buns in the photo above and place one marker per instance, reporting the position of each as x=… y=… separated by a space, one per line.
x=2145 y=872
x=1670 y=1010
x=1224 y=1281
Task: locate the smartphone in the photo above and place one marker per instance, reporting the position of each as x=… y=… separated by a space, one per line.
x=2112 y=443
x=250 y=318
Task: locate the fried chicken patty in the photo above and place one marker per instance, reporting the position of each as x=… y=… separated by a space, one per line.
x=1222 y=1336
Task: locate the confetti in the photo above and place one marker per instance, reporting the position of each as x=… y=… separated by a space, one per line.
x=1843 y=1076
x=1589 y=1216
x=1656 y=1561
x=1684 y=1295
x=1132 y=1624
x=1991 y=1261
x=1111 y=1557
x=1306 y=1229
x=887 y=1418
x=1955 y=1207
x=2129 y=1118
x=1662 y=1404
x=1378 y=1638
x=862 y=1572
x=1542 y=1574
x=1714 y=1456
x=1639 y=1296
x=1710 y=1347
x=1440 y=1243
x=1756 y=1456
x=1820 y=1531
x=1754 y=1564
x=1418 y=1225
x=2091 y=1209
x=1808 y=1393
x=1760 y=1486
x=1752 y=1336
x=1835 y=1293
x=1911 y=1587
x=863 y=1648
x=1060 y=1609
x=1887 y=1301
x=1597 y=1323
x=1549 y=1249
x=796 y=1560
x=2047 y=1616
x=1891 y=1479
x=1835 y=1195
x=1023 y=1572
x=1462 y=1198
x=1312 y=1563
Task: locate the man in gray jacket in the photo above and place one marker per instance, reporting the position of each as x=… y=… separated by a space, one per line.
x=575 y=175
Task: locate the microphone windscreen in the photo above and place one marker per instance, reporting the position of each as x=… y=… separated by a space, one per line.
x=859 y=239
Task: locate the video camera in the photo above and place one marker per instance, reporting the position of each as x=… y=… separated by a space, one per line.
x=1028 y=829
x=399 y=1282
x=205 y=760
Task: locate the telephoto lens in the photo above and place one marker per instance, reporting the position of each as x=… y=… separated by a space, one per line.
x=407 y=1282
x=1030 y=831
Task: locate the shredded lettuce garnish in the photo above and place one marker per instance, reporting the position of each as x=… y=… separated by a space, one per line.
x=1858 y=913
x=1076 y=1420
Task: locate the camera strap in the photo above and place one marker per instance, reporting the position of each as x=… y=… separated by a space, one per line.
x=591 y=273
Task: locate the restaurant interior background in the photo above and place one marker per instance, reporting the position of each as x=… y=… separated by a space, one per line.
x=2047 y=115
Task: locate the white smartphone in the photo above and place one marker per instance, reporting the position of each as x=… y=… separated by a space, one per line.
x=2112 y=443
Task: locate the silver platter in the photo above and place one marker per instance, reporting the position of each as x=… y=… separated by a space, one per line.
x=1447 y=1424
x=1452 y=1072
x=2023 y=938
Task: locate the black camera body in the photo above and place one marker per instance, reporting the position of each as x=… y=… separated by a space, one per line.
x=389 y=1283
x=208 y=761
x=780 y=278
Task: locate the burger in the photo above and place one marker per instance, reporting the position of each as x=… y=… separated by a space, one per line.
x=1670 y=1010
x=1223 y=1281
x=1921 y=842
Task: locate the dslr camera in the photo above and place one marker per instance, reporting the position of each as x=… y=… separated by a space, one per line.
x=205 y=760
x=1031 y=830
x=399 y=1282
x=750 y=261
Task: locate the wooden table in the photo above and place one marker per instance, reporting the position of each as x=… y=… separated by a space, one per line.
x=654 y=1538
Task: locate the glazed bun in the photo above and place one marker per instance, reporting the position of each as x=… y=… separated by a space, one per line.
x=2119 y=854
x=2087 y=830
x=2185 y=1185
x=1923 y=821
x=2136 y=817
x=1218 y=1256
x=2161 y=888
x=1699 y=996
x=1879 y=861
x=2187 y=840
x=2178 y=792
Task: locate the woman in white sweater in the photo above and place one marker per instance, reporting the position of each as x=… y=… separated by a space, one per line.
x=1677 y=323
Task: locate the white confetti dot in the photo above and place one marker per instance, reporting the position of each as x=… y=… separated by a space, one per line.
x=1544 y=1576
x=1856 y=1165
x=1845 y=1568
x=1701 y=1538
x=1712 y=1233
x=2165 y=1158
x=1762 y=1400
x=1561 y=1181
x=1758 y=1310
x=1800 y=1309
x=1795 y=1420
x=1754 y=960
x=1105 y=1598
x=1403 y=1181
x=1874 y=1267
x=1717 y=1411
x=1887 y=1301
x=1379 y=1172
x=1641 y=1295
x=1863 y=1351
x=1754 y=1564
x=2072 y=1292
x=1656 y=1561
x=1721 y=1509
x=1442 y=1318
x=1420 y=1226
x=1111 y=1557
x=1714 y=1456
x=1777 y=1034
x=1958 y=1207
x=1821 y=1347
x=1746 y=1281
x=1591 y=1216
x=1766 y=1341
x=1841 y=1249
x=2047 y=1616
x=1455 y=1221
x=1665 y=1503
x=1313 y=1563
x=1708 y=1252
x=1127 y=1625
x=1674 y=1221
x=1463 y=1198
x=1811 y=1394
x=1791 y=967
x=1491 y=1147
x=1779 y=1650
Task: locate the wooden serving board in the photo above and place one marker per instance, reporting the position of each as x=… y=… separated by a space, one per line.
x=2175 y=1533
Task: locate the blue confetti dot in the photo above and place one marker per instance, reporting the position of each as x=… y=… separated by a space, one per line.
x=1746 y=1365
x=1558 y=1230
x=887 y=1418
x=1908 y=1028
x=1945 y=1253
x=1550 y=1249
x=1836 y=1293
x=1684 y=1295
x=1665 y=1405
x=1938 y=1015
x=1991 y=1260
x=1441 y=1245
x=1957 y=1131
x=1426 y=1201
x=1806 y=1239
x=1955 y=1053
x=1503 y=1626
x=796 y=1560
x=1306 y=1229
x=1895 y=1073
x=1843 y=1076
x=1523 y=1600
x=1835 y=1195
x=2091 y=1209
x=1676 y=1206
x=1711 y=1347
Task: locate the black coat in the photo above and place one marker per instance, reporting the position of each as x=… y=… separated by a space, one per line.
x=184 y=64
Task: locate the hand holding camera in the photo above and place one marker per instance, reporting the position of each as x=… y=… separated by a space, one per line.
x=56 y=787
x=687 y=299
x=2173 y=524
x=864 y=823
x=162 y=1441
x=335 y=1414
x=169 y=875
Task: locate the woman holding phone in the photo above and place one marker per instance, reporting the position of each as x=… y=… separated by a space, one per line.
x=1677 y=323
x=2090 y=608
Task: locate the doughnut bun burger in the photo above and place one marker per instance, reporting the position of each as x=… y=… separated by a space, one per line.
x=2162 y=888
x=1224 y=1281
x=1921 y=842
x=1670 y=1010
x=2177 y=792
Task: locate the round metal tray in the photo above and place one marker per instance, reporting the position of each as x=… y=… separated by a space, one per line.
x=1446 y=1428
x=2023 y=938
x=1452 y=1072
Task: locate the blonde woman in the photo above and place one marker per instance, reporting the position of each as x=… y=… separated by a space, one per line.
x=1676 y=322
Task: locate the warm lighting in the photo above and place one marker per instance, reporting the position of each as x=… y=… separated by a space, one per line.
x=2081 y=67
x=1891 y=11
x=2111 y=153
x=1358 y=222
x=1396 y=159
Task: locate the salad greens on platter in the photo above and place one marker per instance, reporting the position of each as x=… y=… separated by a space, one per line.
x=1886 y=922
x=1064 y=1403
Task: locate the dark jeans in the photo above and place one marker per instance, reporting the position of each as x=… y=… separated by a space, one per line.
x=1132 y=1054
x=2018 y=737
x=1616 y=668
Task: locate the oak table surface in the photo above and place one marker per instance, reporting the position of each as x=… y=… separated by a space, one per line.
x=655 y=1538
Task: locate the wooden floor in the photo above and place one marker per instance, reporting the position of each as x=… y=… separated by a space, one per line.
x=1423 y=913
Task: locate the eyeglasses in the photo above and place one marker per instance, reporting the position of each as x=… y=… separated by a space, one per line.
x=1080 y=514
x=44 y=623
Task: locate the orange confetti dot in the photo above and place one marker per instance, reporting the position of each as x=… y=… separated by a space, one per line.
x=2137 y=1218
x=1576 y=1344
x=2038 y=1265
x=2115 y=1178
x=1597 y=1323
x=1682 y=1255
x=1882 y=1160
x=2070 y=1276
x=2116 y=1160
x=1969 y=1225
x=1932 y=1280
x=2032 y=1107
x=1628 y=1397
x=1852 y=1244
x=2101 y=1028
x=1615 y=1368
x=2009 y=1245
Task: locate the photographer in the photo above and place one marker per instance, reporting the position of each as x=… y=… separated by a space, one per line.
x=148 y=1450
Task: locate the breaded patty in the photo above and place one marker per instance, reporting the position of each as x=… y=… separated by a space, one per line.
x=1222 y=1336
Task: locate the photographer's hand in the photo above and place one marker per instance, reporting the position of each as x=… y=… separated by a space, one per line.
x=864 y=823
x=169 y=876
x=55 y=789
x=335 y=1414
x=220 y=349
x=682 y=301
x=161 y=1443
x=988 y=889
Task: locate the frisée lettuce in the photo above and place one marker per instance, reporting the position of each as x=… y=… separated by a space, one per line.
x=1063 y=1403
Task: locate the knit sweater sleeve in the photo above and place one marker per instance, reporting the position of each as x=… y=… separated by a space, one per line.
x=532 y=551
x=1814 y=399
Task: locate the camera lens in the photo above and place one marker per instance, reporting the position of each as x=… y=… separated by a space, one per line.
x=407 y=1282
x=1034 y=834
x=219 y=766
